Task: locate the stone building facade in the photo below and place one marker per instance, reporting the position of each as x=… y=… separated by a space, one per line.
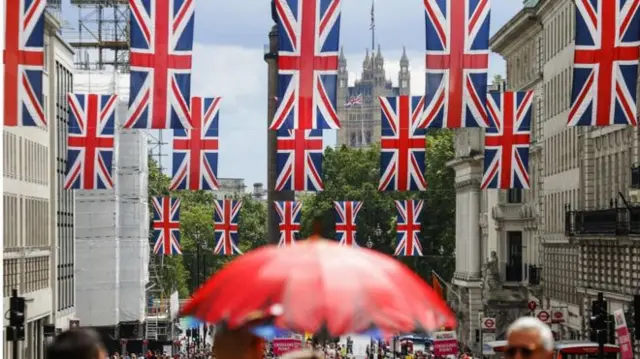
x=361 y=122
x=570 y=235
x=38 y=248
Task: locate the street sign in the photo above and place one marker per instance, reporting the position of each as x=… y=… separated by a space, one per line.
x=532 y=305
x=543 y=315
x=488 y=324
x=557 y=316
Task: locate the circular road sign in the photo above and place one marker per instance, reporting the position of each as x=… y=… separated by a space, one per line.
x=558 y=315
x=532 y=305
x=543 y=315
x=489 y=323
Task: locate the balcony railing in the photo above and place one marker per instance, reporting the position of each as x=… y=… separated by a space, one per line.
x=616 y=221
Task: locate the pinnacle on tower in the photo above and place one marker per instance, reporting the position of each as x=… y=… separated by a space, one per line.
x=367 y=61
x=342 y=59
x=404 y=59
x=379 y=54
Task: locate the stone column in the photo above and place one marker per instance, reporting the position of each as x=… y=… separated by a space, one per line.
x=271 y=58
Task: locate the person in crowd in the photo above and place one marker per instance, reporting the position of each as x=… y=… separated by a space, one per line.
x=529 y=338
x=77 y=343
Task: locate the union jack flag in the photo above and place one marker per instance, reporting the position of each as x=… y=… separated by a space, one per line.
x=354 y=100
x=457 y=60
x=605 y=69
x=308 y=44
x=90 y=141
x=225 y=217
x=160 y=62
x=506 y=147
x=346 y=221
x=166 y=225
x=299 y=160
x=195 y=151
x=402 y=144
x=24 y=63
x=289 y=213
x=408 y=228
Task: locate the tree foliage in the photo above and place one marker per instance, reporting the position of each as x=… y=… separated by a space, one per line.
x=187 y=271
x=353 y=174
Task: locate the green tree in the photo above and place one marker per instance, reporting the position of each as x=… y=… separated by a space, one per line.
x=353 y=174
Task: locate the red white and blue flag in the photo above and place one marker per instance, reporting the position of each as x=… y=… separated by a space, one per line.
x=289 y=213
x=24 y=63
x=402 y=144
x=605 y=65
x=160 y=63
x=308 y=45
x=195 y=151
x=354 y=101
x=408 y=228
x=506 y=146
x=90 y=142
x=346 y=221
x=299 y=160
x=225 y=217
x=457 y=61
x=166 y=225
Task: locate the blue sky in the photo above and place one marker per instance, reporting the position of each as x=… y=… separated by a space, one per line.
x=229 y=45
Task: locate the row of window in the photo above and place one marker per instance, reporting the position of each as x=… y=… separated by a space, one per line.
x=65 y=246
x=523 y=66
x=561 y=151
x=561 y=266
x=26 y=274
x=612 y=268
x=554 y=209
x=609 y=170
x=560 y=31
x=36 y=222
x=557 y=93
x=25 y=217
x=25 y=159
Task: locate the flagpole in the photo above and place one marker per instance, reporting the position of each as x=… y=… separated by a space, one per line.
x=373 y=26
x=446 y=284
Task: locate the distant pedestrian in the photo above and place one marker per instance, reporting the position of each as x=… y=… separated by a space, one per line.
x=77 y=343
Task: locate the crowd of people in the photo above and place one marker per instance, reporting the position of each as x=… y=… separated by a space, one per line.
x=527 y=338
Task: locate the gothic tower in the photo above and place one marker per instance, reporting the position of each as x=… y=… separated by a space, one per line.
x=404 y=77
x=358 y=105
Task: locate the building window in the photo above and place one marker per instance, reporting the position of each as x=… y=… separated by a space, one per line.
x=514 y=257
x=10 y=218
x=11 y=275
x=514 y=195
x=36 y=273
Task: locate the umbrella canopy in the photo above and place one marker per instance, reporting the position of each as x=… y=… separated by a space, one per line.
x=319 y=286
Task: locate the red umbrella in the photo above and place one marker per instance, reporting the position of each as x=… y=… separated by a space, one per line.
x=319 y=285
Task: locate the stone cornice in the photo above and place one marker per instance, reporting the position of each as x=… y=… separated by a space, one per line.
x=464 y=160
x=468 y=184
x=514 y=30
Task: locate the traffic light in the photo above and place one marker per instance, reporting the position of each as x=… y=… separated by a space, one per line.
x=598 y=320
x=189 y=332
x=16 y=308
